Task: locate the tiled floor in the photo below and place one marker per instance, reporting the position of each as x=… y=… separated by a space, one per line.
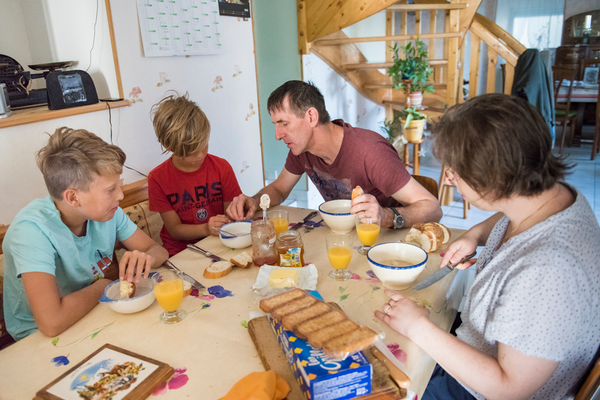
x=585 y=176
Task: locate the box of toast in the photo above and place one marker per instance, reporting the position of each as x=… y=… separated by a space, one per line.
x=322 y=345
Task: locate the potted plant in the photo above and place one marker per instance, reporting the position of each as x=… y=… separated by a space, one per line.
x=413 y=122
x=412 y=72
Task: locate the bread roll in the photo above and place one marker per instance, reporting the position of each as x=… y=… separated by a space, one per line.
x=429 y=236
x=357 y=191
x=127 y=290
x=217 y=270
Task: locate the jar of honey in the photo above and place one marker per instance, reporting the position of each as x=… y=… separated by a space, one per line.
x=291 y=249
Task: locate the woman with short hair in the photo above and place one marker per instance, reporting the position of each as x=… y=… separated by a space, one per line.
x=531 y=321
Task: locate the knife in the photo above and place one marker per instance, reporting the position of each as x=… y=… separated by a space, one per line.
x=306 y=219
x=440 y=273
x=401 y=379
x=206 y=253
x=188 y=278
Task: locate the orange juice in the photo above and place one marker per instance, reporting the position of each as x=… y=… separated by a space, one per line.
x=367 y=233
x=169 y=294
x=339 y=257
x=281 y=225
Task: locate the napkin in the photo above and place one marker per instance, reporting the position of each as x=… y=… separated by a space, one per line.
x=266 y=385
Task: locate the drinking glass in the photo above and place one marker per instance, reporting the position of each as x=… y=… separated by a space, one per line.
x=339 y=252
x=168 y=289
x=368 y=232
x=280 y=219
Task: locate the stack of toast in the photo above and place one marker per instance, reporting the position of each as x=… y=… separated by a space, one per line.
x=319 y=323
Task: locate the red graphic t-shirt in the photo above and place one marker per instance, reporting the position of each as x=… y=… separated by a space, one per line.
x=195 y=196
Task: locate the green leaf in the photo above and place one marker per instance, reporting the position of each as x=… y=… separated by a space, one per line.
x=54 y=341
x=344 y=297
x=244 y=324
x=96 y=333
x=341 y=289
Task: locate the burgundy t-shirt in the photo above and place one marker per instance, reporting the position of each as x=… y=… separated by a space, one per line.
x=195 y=196
x=366 y=159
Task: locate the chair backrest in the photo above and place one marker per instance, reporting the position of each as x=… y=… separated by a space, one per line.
x=589 y=62
x=428 y=183
x=590 y=388
x=560 y=74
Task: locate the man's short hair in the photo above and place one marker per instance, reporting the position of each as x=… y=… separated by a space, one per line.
x=180 y=125
x=499 y=145
x=301 y=96
x=75 y=158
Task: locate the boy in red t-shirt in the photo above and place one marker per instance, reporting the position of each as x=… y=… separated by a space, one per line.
x=192 y=189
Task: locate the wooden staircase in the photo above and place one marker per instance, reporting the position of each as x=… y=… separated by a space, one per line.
x=320 y=24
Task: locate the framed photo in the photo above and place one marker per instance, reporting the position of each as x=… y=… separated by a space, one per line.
x=590 y=76
x=235 y=8
x=108 y=373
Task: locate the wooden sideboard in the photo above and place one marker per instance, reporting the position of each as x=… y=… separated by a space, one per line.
x=573 y=55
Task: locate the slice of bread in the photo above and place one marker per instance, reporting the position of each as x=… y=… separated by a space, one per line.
x=293 y=306
x=317 y=338
x=290 y=321
x=187 y=288
x=350 y=342
x=357 y=191
x=268 y=304
x=242 y=260
x=303 y=329
x=127 y=290
x=447 y=234
x=217 y=270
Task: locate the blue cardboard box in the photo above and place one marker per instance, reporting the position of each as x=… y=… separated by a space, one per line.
x=320 y=377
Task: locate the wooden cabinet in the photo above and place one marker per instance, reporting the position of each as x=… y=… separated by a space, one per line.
x=573 y=55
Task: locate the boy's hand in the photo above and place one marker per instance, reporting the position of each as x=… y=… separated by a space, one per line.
x=215 y=223
x=135 y=264
x=240 y=204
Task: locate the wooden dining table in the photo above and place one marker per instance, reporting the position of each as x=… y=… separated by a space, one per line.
x=580 y=96
x=211 y=349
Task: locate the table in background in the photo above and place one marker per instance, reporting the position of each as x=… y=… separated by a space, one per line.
x=580 y=96
x=212 y=347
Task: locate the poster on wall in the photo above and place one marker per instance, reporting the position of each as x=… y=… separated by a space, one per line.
x=179 y=27
x=235 y=8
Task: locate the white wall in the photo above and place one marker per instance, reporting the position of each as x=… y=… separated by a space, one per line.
x=230 y=102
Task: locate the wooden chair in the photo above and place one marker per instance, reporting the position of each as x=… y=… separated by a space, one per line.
x=563 y=110
x=590 y=388
x=428 y=183
x=594 y=62
x=445 y=188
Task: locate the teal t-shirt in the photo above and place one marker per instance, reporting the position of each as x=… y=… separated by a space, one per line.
x=38 y=241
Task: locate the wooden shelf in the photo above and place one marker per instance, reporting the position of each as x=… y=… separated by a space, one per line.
x=37 y=114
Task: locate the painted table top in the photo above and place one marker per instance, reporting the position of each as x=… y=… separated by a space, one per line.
x=211 y=349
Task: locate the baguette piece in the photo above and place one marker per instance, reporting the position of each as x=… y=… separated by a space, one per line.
x=217 y=270
x=429 y=236
x=187 y=288
x=357 y=191
x=314 y=324
x=242 y=260
x=127 y=290
x=348 y=343
x=290 y=321
x=268 y=304
x=292 y=306
x=317 y=338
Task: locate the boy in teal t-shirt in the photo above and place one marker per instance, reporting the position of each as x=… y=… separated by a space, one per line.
x=57 y=248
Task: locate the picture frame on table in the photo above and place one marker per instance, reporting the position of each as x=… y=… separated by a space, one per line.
x=590 y=75
x=235 y=8
x=109 y=372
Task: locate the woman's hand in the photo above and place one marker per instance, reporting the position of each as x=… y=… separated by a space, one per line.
x=401 y=313
x=135 y=264
x=459 y=249
x=215 y=223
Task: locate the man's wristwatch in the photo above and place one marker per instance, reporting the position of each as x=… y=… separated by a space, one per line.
x=398 y=221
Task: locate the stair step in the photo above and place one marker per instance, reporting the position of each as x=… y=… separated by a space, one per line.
x=352 y=67
x=333 y=42
x=439 y=6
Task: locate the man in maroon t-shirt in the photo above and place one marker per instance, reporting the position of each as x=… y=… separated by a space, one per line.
x=337 y=157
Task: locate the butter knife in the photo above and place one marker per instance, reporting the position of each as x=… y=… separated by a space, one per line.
x=188 y=278
x=440 y=273
x=306 y=219
x=206 y=253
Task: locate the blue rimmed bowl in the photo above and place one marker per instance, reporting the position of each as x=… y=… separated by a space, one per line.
x=237 y=236
x=336 y=214
x=396 y=264
x=144 y=296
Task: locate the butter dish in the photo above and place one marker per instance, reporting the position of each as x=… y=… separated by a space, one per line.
x=271 y=278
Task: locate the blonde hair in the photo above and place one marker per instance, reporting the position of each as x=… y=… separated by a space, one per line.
x=180 y=125
x=74 y=158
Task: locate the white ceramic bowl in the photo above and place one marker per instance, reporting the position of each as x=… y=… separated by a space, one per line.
x=144 y=296
x=336 y=214
x=384 y=259
x=242 y=237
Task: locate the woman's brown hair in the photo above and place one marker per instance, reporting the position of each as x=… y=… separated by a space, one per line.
x=499 y=145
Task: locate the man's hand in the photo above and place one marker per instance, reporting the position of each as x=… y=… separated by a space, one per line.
x=242 y=207
x=215 y=223
x=366 y=206
x=135 y=264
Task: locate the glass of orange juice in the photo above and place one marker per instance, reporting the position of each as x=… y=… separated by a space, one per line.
x=368 y=232
x=168 y=289
x=281 y=220
x=339 y=252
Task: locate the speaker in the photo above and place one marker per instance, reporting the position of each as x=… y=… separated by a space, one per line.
x=67 y=89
